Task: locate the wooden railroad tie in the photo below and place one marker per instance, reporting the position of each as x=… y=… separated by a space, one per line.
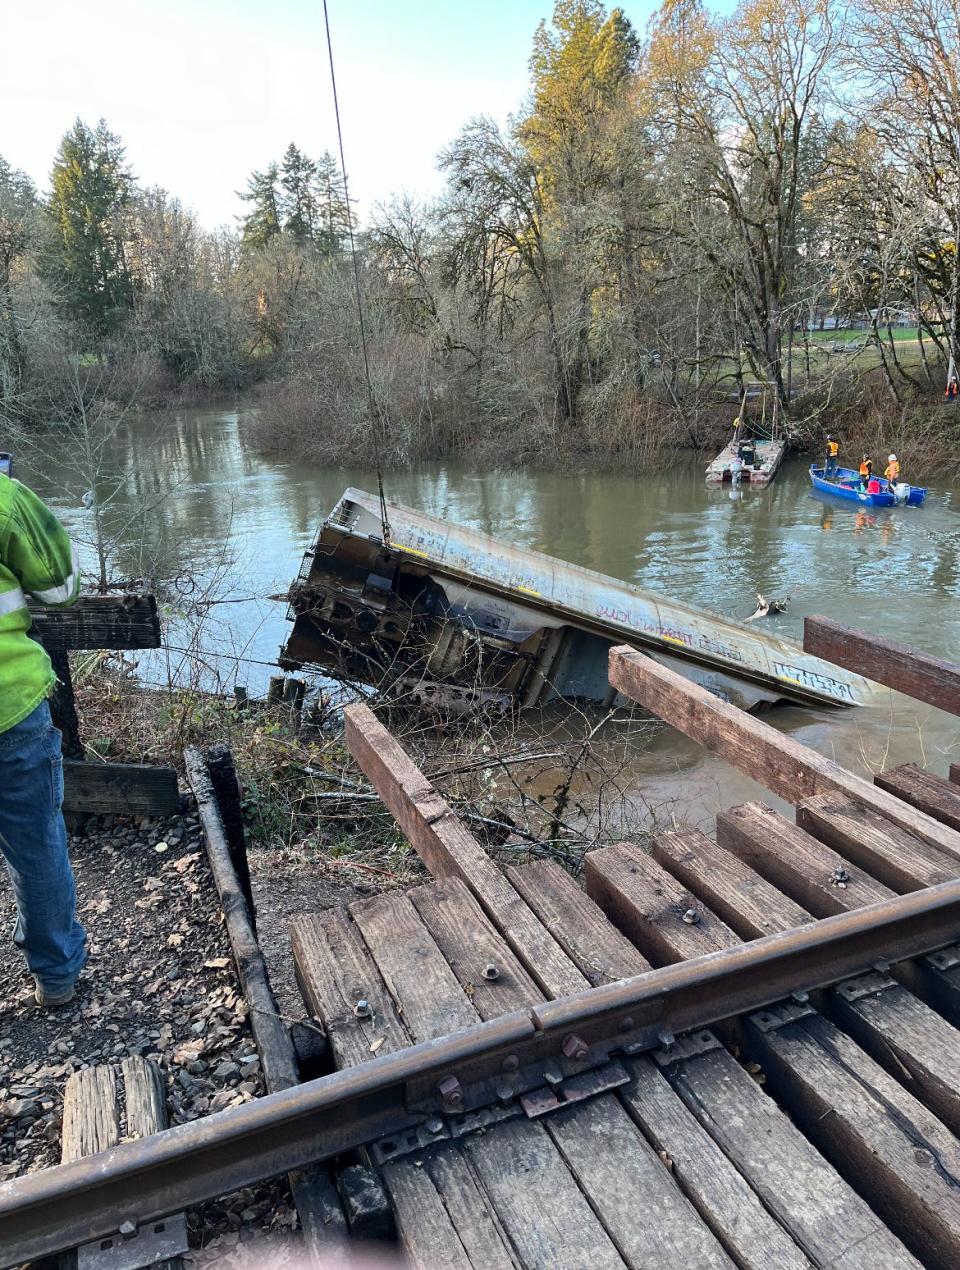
x=94 y=1120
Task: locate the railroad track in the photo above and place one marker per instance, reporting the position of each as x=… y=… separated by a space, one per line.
x=550 y=1077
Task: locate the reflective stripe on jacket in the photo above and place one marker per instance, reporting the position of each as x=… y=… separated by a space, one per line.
x=36 y=560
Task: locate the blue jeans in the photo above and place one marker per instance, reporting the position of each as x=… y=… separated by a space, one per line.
x=33 y=840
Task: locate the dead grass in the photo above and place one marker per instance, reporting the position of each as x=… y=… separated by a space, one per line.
x=527 y=786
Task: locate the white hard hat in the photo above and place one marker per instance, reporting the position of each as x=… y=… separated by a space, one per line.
x=891 y=458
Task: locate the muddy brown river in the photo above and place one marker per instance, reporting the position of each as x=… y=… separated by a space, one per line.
x=179 y=497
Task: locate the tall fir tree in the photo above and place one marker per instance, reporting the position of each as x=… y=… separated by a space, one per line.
x=335 y=216
x=91 y=187
x=298 y=175
x=18 y=225
x=262 y=223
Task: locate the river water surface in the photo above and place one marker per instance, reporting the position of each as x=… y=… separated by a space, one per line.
x=182 y=498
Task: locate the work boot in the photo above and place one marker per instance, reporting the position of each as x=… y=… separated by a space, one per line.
x=47 y=1000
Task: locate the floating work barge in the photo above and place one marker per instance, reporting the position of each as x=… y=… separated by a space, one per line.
x=769 y=456
x=456 y=618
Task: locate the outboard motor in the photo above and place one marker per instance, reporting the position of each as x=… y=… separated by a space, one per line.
x=901 y=492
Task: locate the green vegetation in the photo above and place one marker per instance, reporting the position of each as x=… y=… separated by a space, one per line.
x=667 y=222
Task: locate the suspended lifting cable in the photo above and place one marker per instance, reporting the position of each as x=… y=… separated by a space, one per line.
x=374 y=408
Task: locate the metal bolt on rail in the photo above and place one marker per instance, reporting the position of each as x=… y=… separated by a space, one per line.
x=691 y=917
x=491 y=972
x=451 y=1091
x=575 y=1047
x=362 y=1009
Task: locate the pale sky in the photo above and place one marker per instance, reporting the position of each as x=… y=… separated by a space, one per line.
x=203 y=91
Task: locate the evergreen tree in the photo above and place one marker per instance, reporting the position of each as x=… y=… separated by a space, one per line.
x=301 y=213
x=91 y=188
x=262 y=222
x=18 y=218
x=335 y=217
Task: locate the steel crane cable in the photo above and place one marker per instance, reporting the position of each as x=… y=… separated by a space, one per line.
x=374 y=408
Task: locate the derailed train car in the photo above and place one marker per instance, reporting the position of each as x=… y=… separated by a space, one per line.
x=457 y=619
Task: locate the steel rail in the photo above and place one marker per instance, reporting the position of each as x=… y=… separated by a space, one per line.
x=141 y=1181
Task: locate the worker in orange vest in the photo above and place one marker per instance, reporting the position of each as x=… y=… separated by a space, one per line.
x=892 y=470
x=833 y=451
x=866 y=471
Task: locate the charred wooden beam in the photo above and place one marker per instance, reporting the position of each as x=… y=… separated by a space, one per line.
x=226 y=788
x=99 y=621
x=321 y=1214
x=120 y=789
x=63 y=705
x=898 y=666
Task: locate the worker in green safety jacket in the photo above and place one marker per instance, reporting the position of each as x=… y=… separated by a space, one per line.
x=37 y=561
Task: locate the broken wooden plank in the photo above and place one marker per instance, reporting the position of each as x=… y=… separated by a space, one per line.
x=894 y=856
x=121 y=789
x=423 y=987
x=588 y=938
x=482 y=961
x=92 y=1123
x=898 y=666
x=927 y=792
x=904 y=1035
x=735 y=893
x=98 y=621
x=145 y=1101
x=776 y=761
x=337 y=975
x=449 y=850
x=920 y=1204
x=796 y=862
x=91 y=1118
x=145 y=1112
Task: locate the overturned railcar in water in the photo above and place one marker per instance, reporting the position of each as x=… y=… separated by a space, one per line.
x=457 y=619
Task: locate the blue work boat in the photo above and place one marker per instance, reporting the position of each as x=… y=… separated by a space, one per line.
x=845 y=483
